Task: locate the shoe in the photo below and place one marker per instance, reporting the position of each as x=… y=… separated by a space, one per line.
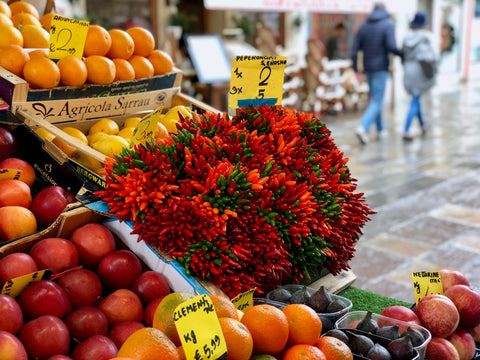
x=407 y=137
x=424 y=130
x=381 y=135
x=362 y=135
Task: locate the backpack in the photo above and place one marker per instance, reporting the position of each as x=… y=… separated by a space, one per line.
x=425 y=55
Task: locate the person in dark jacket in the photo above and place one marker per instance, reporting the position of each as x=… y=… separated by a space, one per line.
x=376 y=39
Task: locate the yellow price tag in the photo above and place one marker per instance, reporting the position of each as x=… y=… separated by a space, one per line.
x=67 y=37
x=146 y=128
x=10 y=174
x=257 y=80
x=244 y=300
x=199 y=329
x=15 y=286
x=426 y=283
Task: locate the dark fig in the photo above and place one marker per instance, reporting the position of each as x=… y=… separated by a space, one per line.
x=389 y=332
x=319 y=300
x=359 y=344
x=339 y=334
x=300 y=296
x=402 y=348
x=415 y=335
x=378 y=352
x=280 y=294
x=326 y=323
x=367 y=324
x=336 y=305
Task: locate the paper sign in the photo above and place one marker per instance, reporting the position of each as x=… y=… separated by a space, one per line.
x=257 y=80
x=67 y=37
x=13 y=174
x=3 y=105
x=199 y=329
x=16 y=285
x=244 y=300
x=426 y=283
x=146 y=128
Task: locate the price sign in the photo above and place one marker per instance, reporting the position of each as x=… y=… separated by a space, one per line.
x=67 y=37
x=146 y=128
x=244 y=300
x=257 y=80
x=6 y=174
x=426 y=283
x=199 y=329
x=16 y=285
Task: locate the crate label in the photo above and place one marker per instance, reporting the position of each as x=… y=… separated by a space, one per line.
x=244 y=300
x=15 y=286
x=10 y=174
x=257 y=80
x=147 y=127
x=67 y=37
x=426 y=283
x=199 y=329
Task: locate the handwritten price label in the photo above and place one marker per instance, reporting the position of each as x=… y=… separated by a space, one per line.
x=10 y=174
x=67 y=37
x=199 y=329
x=146 y=128
x=244 y=300
x=257 y=80
x=426 y=283
x=16 y=285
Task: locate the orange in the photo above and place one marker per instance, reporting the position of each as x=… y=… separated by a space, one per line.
x=46 y=20
x=224 y=307
x=21 y=19
x=10 y=35
x=161 y=61
x=122 y=358
x=304 y=325
x=334 y=348
x=73 y=71
x=5 y=9
x=13 y=58
x=163 y=317
x=123 y=70
x=41 y=73
x=148 y=344
x=76 y=133
x=268 y=326
x=98 y=41
x=142 y=67
x=181 y=351
x=122 y=44
x=62 y=145
x=5 y=20
x=17 y=7
x=238 y=339
x=100 y=69
x=304 y=352
x=38 y=52
x=143 y=40
x=34 y=36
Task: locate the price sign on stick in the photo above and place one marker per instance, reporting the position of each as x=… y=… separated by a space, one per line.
x=15 y=286
x=146 y=128
x=426 y=283
x=67 y=37
x=199 y=329
x=244 y=300
x=257 y=80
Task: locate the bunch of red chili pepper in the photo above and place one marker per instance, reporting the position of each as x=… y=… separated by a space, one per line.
x=256 y=200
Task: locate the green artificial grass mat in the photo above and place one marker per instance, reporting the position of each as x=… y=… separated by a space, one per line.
x=363 y=300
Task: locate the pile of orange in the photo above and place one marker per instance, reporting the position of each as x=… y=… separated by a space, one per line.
x=108 y=56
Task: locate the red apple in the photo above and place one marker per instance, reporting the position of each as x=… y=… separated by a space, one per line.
x=398 y=312
x=122 y=305
x=150 y=311
x=96 y=347
x=93 y=241
x=467 y=302
x=438 y=314
x=60 y=357
x=44 y=297
x=464 y=343
x=50 y=203
x=15 y=193
x=8 y=144
x=44 y=337
x=85 y=322
x=12 y=316
x=120 y=332
x=452 y=277
x=56 y=254
x=15 y=222
x=11 y=347
x=28 y=173
x=14 y=265
x=475 y=332
x=119 y=269
x=83 y=287
x=441 y=349
x=150 y=285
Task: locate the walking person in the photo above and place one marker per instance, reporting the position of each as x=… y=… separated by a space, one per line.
x=376 y=39
x=419 y=68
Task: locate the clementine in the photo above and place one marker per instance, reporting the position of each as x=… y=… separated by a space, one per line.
x=224 y=307
x=5 y=9
x=17 y=7
x=98 y=41
x=142 y=67
x=149 y=344
x=304 y=352
x=41 y=73
x=5 y=20
x=333 y=348
x=100 y=69
x=143 y=40
x=304 y=325
x=10 y=35
x=181 y=351
x=161 y=61
x=13 y=58
x=62 y=145
x=21 y=19
x=123 y=70
x=73 y=71
x=238 y=339
x=122 y=44
x=46 y=20
x=38 y=52
x=34 y=36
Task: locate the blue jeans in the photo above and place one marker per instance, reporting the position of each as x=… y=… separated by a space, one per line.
x=415 y=110
x=373 y=114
